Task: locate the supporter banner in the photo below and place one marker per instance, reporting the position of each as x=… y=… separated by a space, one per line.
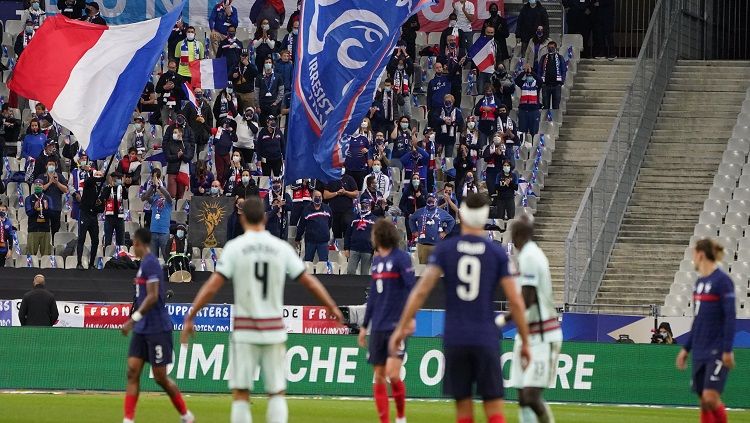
x=334 y=365
x=6 y=313
x=210 y=216
x=435 y=18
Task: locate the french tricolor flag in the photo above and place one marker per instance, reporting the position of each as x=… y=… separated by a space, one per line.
x=209 y=74
x=91 y=76
x=482 y=53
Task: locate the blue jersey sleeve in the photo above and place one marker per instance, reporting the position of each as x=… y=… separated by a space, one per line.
x=730 y=314
x=151 y=271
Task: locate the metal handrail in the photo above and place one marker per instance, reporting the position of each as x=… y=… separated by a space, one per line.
x=598 y=218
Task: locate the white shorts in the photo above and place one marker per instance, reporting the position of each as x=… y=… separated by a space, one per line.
x=246 y=358
x=542 y=369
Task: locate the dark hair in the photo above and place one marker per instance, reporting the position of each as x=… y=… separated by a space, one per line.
x=190 y=27
x=448 y=185
x=52 y=160
x=476 y=200
x=552 y=42
x=156 y=172
x=666 y=326
x=132 y=150
x=452 y=16
x=388 y=81
x=384 y=234
x=713 y=250
x=253 y=210
x=143 y=236
x=522 y=230
x=370 y=179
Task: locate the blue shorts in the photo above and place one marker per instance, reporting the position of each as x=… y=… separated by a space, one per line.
x=528 y=121
x=473 y=365
x=156 y=348
x=377 y=352
x=709 y=374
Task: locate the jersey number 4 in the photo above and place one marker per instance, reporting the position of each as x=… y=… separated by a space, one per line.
x=261 y=275
x=469 y=270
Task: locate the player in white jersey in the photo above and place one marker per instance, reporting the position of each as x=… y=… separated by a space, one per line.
x=545 y=334
x=258 y=264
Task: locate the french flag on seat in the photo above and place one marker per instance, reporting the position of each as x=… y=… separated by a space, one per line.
x=209 y=74
x=90 y=76
x=482 y=53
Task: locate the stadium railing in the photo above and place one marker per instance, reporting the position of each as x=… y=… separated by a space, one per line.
x=595 y=227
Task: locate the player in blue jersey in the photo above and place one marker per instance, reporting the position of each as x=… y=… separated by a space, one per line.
x=711 y=337
x=472 y=267
x=392 y=280
x=152 y=331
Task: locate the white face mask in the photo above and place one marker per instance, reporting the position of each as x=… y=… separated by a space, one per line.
x=180 y=233
x=376 y=169
x=432 y=137
x=295 y=31
x=190 y=36
x=245 y=180
x=506 y=169
x=471 y=125
x=265 y=27
x=363 y=125
x=236 y=159
x=268 y=66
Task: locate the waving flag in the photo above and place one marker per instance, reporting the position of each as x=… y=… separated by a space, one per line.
x=190 y=95
x=90 y=76
x=483 y=54
x=343 y=47
x=209 y=74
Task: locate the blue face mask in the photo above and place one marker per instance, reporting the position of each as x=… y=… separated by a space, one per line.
x=317 y=201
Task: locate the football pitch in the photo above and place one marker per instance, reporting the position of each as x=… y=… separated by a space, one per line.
x=85 y=408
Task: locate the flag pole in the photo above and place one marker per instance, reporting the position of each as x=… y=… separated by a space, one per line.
x=106 y=172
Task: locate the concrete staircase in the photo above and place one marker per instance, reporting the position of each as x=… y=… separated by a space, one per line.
x=697 y=115
x=591 y=109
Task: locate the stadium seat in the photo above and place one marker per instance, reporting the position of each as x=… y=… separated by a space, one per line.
x=710 y=218
x=52 y=262
x=737 y=218
x=309 y=267
x=685 y=277
x=740 y=267
x=744 y=180
x=681 y=289
x=743 y=254
x=678 y=301
x=687 y=265
x=203 y=265
x=13 y=26
x=671 y=311
x=725 y=181
x=72 y=261
x=64 y=237
x=321 y=268
x=27 y=261
x=718 y=206
x=736 y=157
x=207 y=252
x=179 y=216
x=733 y=231
x=742 y=193
x=720 y=193
x=738 y=144
x=731 y=169
x=706 y=230
x=738 y=205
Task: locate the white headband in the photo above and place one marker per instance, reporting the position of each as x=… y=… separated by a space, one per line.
x=476 y=218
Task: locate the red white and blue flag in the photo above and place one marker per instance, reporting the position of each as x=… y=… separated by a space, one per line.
x=343 y=47
x=482 y=53
x=91 y=76
x=209 y=74
x=191 y=96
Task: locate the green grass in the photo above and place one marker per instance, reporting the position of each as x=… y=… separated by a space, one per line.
x=84 y=408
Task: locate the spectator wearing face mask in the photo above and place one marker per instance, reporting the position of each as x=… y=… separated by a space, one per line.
x=494 y=155
x=409 y=34
x=236 y=168
x=55 y=185
x=430 y=225
x=277 y=222
x=508 y=128
x=188 y=51
x=289 y=42
x=7 y=232
x=529 y=104
x=222 y=21
x=578 y=14
x=355 y=160
x=376 y=200
x=202 y=179
x=284 y=69
x=155 y=174
x=225 y=105
x=506 y=185
x=264 y=43
x=486 y=111
x=161 y=205
x=471 y=137
x=72 y=9
x=498 y=22
x=269 y=91
x=277 y=192
x=79 y=173
x=34 y=14
x=448 y=124
x=130 y=168
x=246 y=187
x=92 y=14
x=503 y=86
x=379 y=152
x=200 y=119
x=223 y=142
x=270 y=148
x=413 y=197
x=553 y=70
x=463 y=164
x=448 y=31
x=139 y=138
x=532 y=16
x=114 y=197
x=453 y=59
x=234 y=224
x=483 y=78
x=33 y=142
x=178 y=241
x=301 y=197
x=294 y=17
x=438 y=87
x=315 y=227
x=380 y=179
x=243 y=80
x=402 y=137
x=247 y=129
x=469 y=186
x=179 y=152
x=386 y=107
x=88 y=222
x=400 y=71
x=37 y=209
x=341 y=195
x=10 y=127
x=148 y=102
x=537 y=49
x=449 y=203
x=170 y=93
x=49 y=154
x=178 y=33
x=23 y=39
x=465 y=16
x=358 y=240
x=416 y=163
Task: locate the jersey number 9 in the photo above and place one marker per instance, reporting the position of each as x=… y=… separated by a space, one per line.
x=469 y=270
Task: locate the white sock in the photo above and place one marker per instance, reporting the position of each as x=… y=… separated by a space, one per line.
x=241 y=412
x=277 y=410
x=526 y=415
